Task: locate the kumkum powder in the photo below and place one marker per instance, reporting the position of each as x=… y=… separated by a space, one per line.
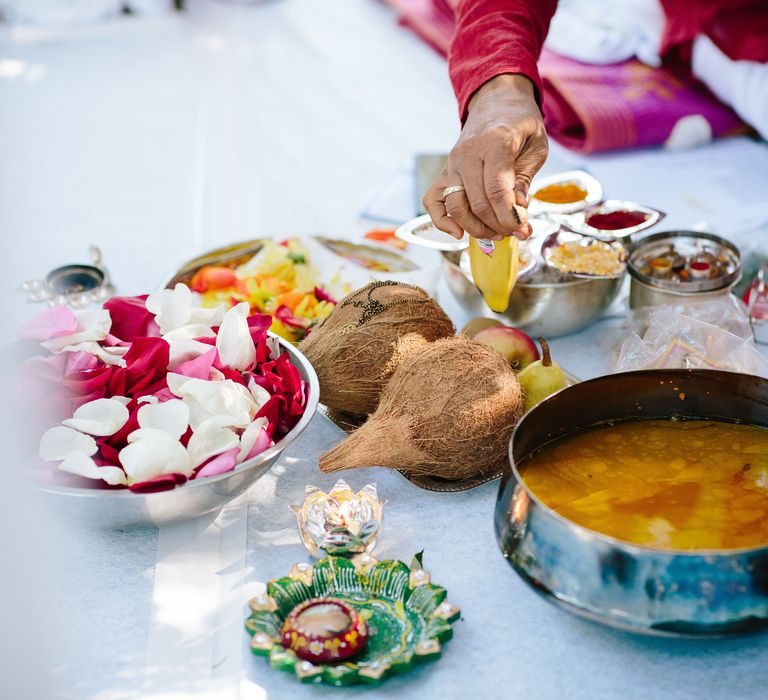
x=615 y=220
x=561 y=193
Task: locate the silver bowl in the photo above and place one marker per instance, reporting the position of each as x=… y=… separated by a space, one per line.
x=122 y=509
x=550 y=309
x=624 y=585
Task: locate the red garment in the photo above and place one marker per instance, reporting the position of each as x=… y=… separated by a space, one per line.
x=494 y=37
x=739 y=28
x=505 y=36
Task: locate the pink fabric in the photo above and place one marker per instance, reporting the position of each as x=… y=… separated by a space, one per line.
x=625 y=105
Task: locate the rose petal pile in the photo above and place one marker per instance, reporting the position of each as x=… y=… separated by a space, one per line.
x=151 y=391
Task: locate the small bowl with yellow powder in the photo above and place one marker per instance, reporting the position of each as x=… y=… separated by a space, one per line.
x=564 y=193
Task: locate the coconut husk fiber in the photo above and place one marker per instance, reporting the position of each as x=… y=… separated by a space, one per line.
x=448 y=412
x=365 y=339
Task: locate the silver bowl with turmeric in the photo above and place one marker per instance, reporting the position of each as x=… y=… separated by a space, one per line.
x=640 y=500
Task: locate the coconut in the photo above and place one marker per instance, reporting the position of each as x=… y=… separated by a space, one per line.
x=448 y=412
x=366 y=338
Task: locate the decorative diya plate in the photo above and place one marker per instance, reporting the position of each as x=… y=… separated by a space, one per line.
x=406 y=618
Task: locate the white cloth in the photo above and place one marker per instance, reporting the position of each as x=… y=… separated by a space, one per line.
x=741 y=84
x=76 y=12
x=607 y=31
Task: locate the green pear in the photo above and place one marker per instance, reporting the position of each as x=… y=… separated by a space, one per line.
x=541 y=379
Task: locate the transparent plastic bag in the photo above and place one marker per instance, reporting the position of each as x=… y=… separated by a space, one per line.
x=710 y=335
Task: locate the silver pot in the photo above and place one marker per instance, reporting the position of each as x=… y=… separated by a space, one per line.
x=550 y=309
x=647 y=290
x=654 y=591
x=102 y=508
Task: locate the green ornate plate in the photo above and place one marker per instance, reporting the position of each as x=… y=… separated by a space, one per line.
x=408 y=617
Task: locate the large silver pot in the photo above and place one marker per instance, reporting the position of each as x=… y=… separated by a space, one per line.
x=121 y=508
x=625 y=585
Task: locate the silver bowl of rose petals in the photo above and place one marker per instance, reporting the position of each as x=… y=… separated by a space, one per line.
x=157 y=410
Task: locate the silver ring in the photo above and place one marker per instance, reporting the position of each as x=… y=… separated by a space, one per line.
x=452 y=189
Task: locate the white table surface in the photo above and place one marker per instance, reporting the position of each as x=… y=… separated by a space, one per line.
x=159 y=139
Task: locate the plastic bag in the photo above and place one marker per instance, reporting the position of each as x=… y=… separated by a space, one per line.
x=711 y=335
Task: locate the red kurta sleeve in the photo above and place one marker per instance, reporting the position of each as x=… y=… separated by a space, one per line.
x=494 y=37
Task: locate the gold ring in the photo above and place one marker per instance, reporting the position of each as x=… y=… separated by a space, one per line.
x=452 y=189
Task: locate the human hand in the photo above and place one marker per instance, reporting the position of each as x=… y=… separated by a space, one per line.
x=501 y=147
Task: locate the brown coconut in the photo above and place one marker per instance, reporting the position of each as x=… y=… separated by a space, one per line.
x=448 y=412
x=366 y=338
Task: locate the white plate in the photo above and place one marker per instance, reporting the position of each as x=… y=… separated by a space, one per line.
x=577 y=177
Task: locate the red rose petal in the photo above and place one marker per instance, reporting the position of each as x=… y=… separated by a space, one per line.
x=130 y=318
x=322 y=295
x=164 y=482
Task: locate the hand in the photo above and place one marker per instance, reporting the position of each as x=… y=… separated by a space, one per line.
x=501 y=147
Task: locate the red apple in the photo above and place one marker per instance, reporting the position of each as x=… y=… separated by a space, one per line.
x=479 y=324
x=518 y=347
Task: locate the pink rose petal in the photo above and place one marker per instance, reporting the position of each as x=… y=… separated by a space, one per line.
x=221 y=464
x=51 y=323
x=80 y=362
x=200 y=367
x=262 y=442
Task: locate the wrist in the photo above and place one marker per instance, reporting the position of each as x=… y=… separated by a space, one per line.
x=509 y=85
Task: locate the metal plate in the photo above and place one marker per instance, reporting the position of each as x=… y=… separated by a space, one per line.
x=366 y=255
x=349 y=423
x=578 y=222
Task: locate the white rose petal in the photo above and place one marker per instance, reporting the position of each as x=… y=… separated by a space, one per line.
x=216 y=375
x=273 y=345
x=144 y=433
x=189 y=332
x=186 y=350
x=60 y=442
x=125 y=400
x=172 y=307
x=259 y=394
x=210 y=438
x=234 y=342
x=248 y=438
x=154 y=456
x=209 y=317
x=147 y=398
x=109 y=356
x=100 y=417
x=230 y=402
x=171 y=417
x=92 y=325
x=82 y=465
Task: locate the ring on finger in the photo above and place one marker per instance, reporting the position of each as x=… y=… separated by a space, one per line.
x=452 y=189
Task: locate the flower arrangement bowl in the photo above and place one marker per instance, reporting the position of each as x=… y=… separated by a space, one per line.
x=117 y=509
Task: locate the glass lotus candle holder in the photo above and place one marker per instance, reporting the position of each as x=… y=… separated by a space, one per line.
x=340 y=522
x=78 y=285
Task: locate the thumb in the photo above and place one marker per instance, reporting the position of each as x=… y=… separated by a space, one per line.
x=526 y=166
